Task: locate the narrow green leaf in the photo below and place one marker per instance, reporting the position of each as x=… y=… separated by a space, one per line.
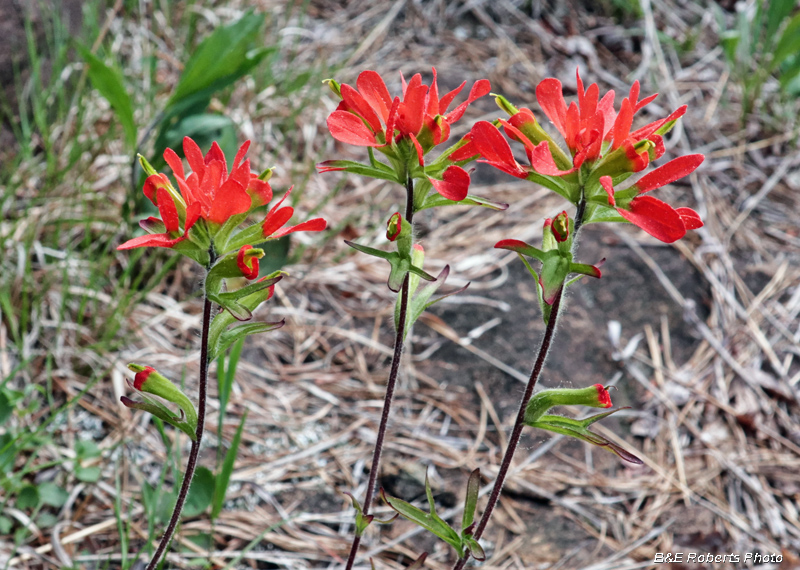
x=471 y=500
x=434 y=200
x=109 y=82
x=224 y=477
x=28 y=498
x=426 y=521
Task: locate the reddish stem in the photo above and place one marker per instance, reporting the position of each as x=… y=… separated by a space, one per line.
x=191 y=465
x=390 y=385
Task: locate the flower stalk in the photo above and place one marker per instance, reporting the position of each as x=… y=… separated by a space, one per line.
x=390 y=385
x=194 y=453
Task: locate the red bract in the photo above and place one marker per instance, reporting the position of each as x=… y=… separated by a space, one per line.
x=657 y=218
x=272 y=227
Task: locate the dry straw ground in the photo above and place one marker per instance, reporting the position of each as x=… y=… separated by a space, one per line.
x=707 y=354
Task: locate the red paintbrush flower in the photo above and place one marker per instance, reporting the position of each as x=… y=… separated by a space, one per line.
x=418 y=121
x=212 y=194
x=600 y=148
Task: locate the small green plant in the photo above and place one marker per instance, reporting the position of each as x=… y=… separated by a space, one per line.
x=764 y=42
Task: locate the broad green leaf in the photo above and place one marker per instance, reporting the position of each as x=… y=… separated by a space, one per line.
x=224 y=477
x=87 y=474
x=109 y=82
x=788 y=44
x=28 y=498
x=222 y=58
x=86 y=449
x=201 y=492
x=52 y=494
x=777 y=12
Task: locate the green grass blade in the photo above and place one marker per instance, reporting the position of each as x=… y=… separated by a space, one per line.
x=224 y=477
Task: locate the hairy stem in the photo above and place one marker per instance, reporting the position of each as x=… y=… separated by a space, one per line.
x=390 y=385
x=516 y=432
x=195 y=451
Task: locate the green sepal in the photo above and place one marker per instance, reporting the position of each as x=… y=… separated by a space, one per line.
x=523 y=248
x=601 y=213
x=617 y=161
x=434 y=200
x=504 y=104
x=334 y=86
x=159 y=410
x=146 y=166
x=565 y=186
x=429 y=521
x=230 y=336
x=223 y=234
x=554 y=272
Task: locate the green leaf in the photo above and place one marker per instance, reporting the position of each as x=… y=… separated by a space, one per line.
x=87 y=474
x=86 y=449
x=201 y=492
x=434 y=200
x=28 y=498
x=109 y=82
x=6 y=407
x=777 y=12
x=427 y=521
x=5 y=525
x=377 y=170
x=471 y=500
x=230 y=336
x=788 y=44
x=474 y=548
x=224 y=477
x=221 y=59
x=53 y=495
x=372 y=251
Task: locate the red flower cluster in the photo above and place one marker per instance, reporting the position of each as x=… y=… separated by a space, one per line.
x=368 y=116
x=602 y=146
x=210 y=193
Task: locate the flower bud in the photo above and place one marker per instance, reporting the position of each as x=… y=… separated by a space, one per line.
x=596 y=396
x=148 y=381
x=247 y=260
x=394 y=226
x=560 y=227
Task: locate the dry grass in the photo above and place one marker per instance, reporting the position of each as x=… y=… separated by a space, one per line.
x=718 y=431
